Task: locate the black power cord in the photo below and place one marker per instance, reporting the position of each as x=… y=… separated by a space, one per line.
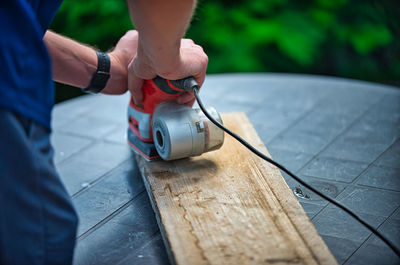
x=269 y=160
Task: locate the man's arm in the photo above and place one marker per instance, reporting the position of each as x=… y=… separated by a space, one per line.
x=161 y=50
x=74 y=63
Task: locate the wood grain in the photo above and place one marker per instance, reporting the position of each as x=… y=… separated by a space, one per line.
x=230 y=207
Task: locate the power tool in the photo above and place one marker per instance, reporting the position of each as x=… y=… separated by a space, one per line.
x=181 y=131
x=162 y=128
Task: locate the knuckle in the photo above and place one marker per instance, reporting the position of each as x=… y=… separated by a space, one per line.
x=200 y=48
x=205 y=59
x=133 y=34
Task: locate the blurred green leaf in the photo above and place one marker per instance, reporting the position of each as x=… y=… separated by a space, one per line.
x=356 y=39
x=322 y=17
x=331 y=3
x=367 y=37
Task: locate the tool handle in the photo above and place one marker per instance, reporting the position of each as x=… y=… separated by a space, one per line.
x=171 y=87
x=187 y=84
x=158 y=90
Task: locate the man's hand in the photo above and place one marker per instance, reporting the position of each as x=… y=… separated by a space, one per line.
x=120 y=58
x=189 y=61
x=161 y=50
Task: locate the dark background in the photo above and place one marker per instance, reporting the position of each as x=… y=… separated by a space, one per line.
x=352 y=39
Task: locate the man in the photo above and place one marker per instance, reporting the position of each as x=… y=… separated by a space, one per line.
x=37 y=220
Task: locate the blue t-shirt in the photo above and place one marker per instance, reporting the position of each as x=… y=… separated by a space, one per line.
x=26 y=85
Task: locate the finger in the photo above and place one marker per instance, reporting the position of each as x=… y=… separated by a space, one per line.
x=200 y=77
x=135 y=85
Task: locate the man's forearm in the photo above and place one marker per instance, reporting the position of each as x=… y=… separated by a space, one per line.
x=161 y=25
x=74 y=63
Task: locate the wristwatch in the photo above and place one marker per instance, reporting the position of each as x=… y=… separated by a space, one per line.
x=101 y=76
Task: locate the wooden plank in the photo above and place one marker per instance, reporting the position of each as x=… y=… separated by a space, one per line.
x=230 y=207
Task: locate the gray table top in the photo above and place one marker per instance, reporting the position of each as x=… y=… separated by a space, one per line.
x=340 y=135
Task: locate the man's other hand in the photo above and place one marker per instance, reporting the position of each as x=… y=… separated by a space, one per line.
x=120 y=57
x=190 y=61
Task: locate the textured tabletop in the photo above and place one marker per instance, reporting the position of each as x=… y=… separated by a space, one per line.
x=340 y=135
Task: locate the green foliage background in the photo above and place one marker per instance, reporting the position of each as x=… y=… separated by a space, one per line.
x=355 y=39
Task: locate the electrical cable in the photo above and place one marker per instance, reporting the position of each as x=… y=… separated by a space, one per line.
x=269 y=160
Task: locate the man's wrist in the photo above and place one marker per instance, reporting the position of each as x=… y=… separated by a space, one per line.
x=162 y=59
x=118 y=73
x=101 y=76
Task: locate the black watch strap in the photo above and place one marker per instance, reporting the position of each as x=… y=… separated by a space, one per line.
x=102 y=74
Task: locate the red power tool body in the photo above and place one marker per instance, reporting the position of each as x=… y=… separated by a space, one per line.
x=155 y=91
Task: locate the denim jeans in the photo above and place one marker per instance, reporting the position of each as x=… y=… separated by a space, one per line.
x=38 y=222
